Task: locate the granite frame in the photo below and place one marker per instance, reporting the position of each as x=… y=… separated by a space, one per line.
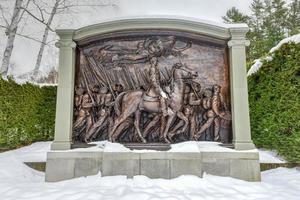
x=233 y=34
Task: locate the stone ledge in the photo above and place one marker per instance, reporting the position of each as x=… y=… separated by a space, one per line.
x=73 y=154
x=246 y=155
x=62 y=165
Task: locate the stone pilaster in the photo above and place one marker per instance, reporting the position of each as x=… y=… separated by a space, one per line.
x=239 y=89
x=65 y=91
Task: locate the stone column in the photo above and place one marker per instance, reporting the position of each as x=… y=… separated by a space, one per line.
x=65 y=91
x=239 y=89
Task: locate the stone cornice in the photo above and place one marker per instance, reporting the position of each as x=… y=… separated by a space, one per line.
x=187 y=25
x=233 y=32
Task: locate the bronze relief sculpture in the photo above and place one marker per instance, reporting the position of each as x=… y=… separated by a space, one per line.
x=151 y=88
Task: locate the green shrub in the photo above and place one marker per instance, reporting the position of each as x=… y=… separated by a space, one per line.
x=27 y=113
x=274 y=96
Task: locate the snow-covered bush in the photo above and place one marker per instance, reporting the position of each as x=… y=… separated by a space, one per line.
x=259 y=62
x=274 y=96
x=27 y=113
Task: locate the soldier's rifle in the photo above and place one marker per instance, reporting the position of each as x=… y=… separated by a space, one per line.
x=100 y=66
x=87 y=86
x=194 y=90
x=90 y=94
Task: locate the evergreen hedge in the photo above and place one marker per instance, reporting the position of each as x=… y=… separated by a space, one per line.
x=27 y=113
x=274 y=97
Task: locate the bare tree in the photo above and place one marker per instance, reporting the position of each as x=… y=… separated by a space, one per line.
x=45 y=35
x=11 y=32
x=40 y=11
x=59 y=6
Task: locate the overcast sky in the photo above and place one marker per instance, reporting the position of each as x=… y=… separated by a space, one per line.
x=25 y=51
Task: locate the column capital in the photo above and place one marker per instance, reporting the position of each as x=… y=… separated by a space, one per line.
x=234 y=42
x=65 y=38
x=238 y=33
x=65 y=43
x=238 y=36
x=65 y=33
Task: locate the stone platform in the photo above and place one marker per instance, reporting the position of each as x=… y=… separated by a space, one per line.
x=188 y=158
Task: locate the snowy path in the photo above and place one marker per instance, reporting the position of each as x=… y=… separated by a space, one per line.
x=18 y=182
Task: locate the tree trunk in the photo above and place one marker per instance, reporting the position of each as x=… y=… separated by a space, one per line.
x=11 y=34
x=44 y=40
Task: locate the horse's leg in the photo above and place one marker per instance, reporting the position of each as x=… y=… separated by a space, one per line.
x=162 y=127
x=120 y=119
x=168 y=124
x=150 y=125
x=174 y=130
x=185 y=119
x=137 y=116
x=123 y=126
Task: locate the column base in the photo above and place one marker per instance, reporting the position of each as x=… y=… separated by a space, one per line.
x=240 y=145
x=58 y=145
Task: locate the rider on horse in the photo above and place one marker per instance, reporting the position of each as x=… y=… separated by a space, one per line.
x=154 y=76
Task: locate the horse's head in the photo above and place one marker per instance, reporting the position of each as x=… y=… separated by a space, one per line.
x=181 y=71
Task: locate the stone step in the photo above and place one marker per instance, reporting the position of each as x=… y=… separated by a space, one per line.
x=41 y=166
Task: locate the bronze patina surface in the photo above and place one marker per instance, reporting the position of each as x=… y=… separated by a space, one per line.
x=152 y=86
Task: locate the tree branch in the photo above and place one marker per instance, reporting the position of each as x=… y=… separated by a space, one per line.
x=26 y=6
x=38 y=19
x=40 y=10
x=2 y=13
x=31 y=38
x=26 y=36
x=89 y=5
x=2 y=26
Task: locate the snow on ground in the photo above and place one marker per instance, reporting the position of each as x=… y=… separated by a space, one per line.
x=37 y=152
x=259 y=62
x=267 y=156
x=19 y=182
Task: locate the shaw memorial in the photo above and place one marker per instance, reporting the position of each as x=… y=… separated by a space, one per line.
x=147 y=83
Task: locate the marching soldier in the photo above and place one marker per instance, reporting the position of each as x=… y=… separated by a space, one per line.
x=213 y=104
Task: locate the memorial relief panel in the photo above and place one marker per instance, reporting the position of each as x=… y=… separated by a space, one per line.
x=152 y=86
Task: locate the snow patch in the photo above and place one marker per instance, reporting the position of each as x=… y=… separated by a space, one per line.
x=17 y=181
x=189 y=146
x=294 y=38
x=37 y=152
x=255 y=67
x=30 y=77
x=267 y=156
x=259 y=62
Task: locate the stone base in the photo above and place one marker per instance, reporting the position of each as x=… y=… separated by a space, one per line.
x=56 y=145
x=148 y=146
x=243 y=145
x=62 y=165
